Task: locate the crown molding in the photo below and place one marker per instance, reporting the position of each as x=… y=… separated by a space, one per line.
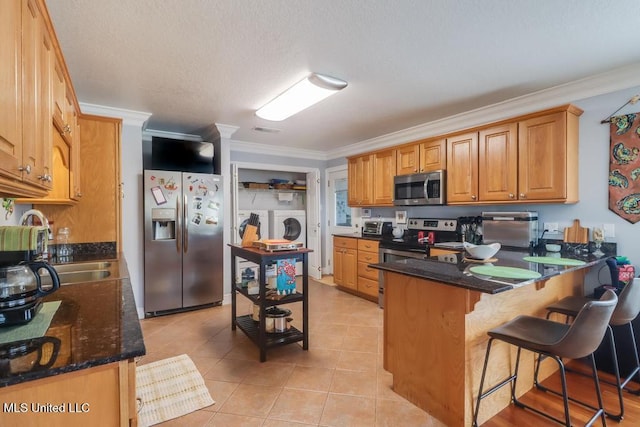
x=256 y=148
x=226 y=131
x=618 y=79
x=147 y=133
x=129 y=117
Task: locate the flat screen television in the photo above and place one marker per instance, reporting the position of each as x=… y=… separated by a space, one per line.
x=180 y=155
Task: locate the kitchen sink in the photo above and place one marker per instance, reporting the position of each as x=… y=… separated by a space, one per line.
x=81 y=266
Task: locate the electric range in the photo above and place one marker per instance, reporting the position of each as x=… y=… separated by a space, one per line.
x=421 y=234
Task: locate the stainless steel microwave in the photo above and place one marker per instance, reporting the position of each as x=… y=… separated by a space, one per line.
x=419 y=189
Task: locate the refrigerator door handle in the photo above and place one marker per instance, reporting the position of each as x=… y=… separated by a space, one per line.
x=185 y=221
x=179 y=230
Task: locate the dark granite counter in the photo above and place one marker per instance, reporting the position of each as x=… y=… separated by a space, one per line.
x=455 y=271
x=96 y=323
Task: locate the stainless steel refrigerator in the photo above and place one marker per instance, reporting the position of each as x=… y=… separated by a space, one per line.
x=183 y=223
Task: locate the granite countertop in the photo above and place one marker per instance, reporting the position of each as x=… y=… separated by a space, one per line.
x=454 y=269
x=96 y=323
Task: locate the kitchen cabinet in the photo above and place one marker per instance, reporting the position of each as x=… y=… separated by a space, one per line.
x=100 y=148
x=345 y=262
x=360 y=177
x=384 y=169
x=25 y=50
x=102 y=395
x=526 y=160
x=423 y=156
x=462 y=168
x=368 y=278
x=256 y=331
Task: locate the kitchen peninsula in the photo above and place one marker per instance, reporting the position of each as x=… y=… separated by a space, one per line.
x=436 y=318
x=88 y=376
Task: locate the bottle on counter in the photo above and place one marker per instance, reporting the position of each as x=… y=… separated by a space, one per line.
x=62 y=242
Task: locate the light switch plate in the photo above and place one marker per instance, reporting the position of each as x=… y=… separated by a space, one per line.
x=551 y=227
x=609 y=230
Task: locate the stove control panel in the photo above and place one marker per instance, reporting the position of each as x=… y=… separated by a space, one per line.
x=433 y=224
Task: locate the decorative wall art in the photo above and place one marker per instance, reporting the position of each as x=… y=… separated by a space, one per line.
x=624 y=166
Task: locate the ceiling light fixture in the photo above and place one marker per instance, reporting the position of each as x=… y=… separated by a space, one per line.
x=313 y=88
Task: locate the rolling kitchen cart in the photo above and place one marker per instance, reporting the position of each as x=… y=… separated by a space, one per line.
x=256 y=331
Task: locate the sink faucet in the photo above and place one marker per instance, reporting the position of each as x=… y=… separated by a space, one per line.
x=24 y=219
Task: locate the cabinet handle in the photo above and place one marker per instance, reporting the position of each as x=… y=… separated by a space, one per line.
x=511 y=195
x=26 y=169
x=523 y=196
x=473 y=197
x=78 y=194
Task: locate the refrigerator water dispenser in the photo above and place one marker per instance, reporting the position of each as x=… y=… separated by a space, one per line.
x=163 y=223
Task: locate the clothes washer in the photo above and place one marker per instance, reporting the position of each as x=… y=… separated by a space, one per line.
x=289 y=225
x=263 y=233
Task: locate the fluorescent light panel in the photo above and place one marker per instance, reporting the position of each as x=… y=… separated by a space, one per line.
x=308 y=91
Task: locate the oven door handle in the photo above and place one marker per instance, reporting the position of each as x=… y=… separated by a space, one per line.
x=407 y=254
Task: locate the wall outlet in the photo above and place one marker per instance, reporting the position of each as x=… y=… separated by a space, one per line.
x=609 y=230
x=551 y=227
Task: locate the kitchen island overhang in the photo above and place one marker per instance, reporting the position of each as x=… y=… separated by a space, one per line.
x=436 y=319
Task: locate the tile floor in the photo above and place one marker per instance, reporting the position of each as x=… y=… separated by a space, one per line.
x=338 y=382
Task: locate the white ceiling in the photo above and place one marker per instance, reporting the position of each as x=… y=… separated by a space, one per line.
x=192 y=63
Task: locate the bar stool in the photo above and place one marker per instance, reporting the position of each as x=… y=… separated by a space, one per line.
x=626 y=310
x=557 y=340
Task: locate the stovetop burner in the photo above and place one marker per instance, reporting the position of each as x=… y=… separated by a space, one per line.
x=20 y=314
x=415 y=236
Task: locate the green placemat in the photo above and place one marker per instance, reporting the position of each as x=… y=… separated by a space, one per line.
x=37 y=327
x=553 y=261
x=504 y=272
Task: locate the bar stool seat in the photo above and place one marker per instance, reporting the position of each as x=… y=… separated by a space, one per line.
x=626 y=310
x=557 y=340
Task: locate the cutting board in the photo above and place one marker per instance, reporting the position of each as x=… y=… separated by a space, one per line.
x=576 y=233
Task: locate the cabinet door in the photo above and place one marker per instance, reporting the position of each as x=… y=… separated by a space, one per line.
x=542 y=145
x=350 y=269
x=498 y=163
x=11 y=89
x=384 y=169
x=76 y=192
x=58 y=96
x=44 y=104
x=433 y=155
x=408 y=159
x=360 y=187
x=462 y=168
x=338 y=265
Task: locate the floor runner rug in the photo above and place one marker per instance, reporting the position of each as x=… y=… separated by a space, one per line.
x=168 y=389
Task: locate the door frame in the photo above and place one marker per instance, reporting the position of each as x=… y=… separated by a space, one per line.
x=312 y=207
x=330 y=211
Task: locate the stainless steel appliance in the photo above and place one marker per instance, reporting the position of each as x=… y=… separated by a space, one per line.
x=515 y=229
x=183 y=225
x=420 y=236
x=377 y=228
x=419 y=189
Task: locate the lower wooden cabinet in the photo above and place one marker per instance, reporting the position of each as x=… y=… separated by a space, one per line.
x=99 y=396
x=351 y=271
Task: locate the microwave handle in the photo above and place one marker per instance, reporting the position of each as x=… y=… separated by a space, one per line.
x=426 y=183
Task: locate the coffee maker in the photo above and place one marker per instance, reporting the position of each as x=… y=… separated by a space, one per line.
x=21 y=288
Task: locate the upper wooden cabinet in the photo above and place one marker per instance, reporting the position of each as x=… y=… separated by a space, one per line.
x=384 y=169
x=360 y=187
x=31 y=64
x=422 y=156
x=533 y=159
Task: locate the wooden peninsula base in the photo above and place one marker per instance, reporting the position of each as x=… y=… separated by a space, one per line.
x=435 y=338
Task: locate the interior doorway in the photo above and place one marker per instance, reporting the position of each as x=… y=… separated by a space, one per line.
x=341 y=218
x=311 y=205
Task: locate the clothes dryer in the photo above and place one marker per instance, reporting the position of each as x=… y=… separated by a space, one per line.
x=289 y=225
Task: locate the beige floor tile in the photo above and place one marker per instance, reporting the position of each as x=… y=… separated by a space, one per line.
x=384 y=386
x=220 y=392
x=194 y=419
x=230 y=370
x=310 y=378
x=251 y=400
x=354 y=383
x=393 y=413
x=231 y=420
x=204 y=364
x=269 y=422
x=299 y=405
x=348 y=411
x=368 y=344
x=269 y=373
x=357 y=361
